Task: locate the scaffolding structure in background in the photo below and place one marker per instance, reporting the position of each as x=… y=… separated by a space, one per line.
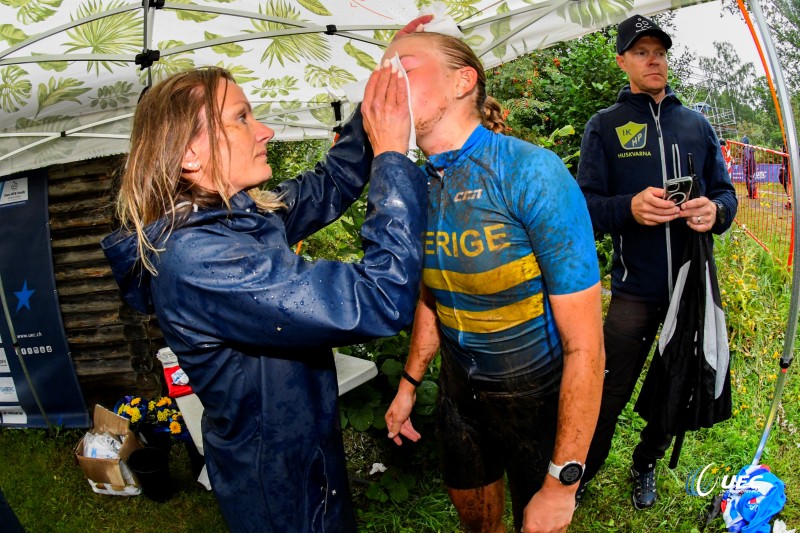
x=701 y=93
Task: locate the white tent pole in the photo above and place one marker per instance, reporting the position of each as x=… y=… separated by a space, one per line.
x=791 y=139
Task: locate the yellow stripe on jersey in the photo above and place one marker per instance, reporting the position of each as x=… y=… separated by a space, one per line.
x=494 y=320
x=490 y=282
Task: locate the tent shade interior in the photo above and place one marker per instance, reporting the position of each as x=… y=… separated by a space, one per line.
x=72 y=70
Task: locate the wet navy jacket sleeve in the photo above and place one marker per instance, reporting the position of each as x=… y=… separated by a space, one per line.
x=318 y=197
x=254 y=290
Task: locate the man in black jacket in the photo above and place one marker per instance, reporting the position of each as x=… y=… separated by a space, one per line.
x=628 y=153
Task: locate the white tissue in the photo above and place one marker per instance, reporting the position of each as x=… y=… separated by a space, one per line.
x=412 y=134
x=377 y=467
x=780 y=527
x=354 y=92
x=442 y=22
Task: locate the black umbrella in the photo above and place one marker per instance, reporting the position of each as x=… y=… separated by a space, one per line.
x=688 y=384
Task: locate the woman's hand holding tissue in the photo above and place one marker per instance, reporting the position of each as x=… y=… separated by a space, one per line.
x=387 y=119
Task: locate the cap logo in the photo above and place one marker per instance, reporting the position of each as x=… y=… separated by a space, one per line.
x=642 y=25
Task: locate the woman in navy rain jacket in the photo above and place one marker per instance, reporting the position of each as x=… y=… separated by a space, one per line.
x=251 y=322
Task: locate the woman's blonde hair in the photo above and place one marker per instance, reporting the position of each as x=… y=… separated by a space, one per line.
x=459 y=55
x=167 y=118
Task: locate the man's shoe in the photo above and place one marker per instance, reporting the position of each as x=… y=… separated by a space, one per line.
x=644 y=488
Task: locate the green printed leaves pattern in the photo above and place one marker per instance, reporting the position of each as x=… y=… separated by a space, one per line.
x=118 y=34
x=291 y=57
x=61 y=90
x=294 y=47
x=591 y=13
x=11 y=35
x=29 y=11
x=14 y=89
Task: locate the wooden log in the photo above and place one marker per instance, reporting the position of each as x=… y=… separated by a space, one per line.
x=79 y=222
x=106 y=366
x=88 y=287
x=86 y=237
x=79 y=272
x=97 y=185
x=78 y=256
x=134 y=331
x=109 y=350
x=96 y=304
x=96 y=336
x=101 y=166
x=100 y=204
x=83 y=320
x=145 y=364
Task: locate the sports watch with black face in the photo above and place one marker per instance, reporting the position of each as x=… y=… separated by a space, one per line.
x=568 y=474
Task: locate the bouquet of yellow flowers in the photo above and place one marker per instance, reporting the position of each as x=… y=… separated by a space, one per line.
x=157 y=416
x=163 y=414
x=134 y=408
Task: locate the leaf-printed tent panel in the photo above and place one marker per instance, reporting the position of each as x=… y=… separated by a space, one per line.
x=71 y=71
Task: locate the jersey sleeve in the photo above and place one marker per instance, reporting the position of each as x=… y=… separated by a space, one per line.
x=550 y=205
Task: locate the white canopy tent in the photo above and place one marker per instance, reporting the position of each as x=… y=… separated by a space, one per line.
x=74 y=69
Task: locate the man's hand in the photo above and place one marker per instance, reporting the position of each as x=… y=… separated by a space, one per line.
x=550 y=510
x=650 y=209
x=414 y=26
x=700 y=214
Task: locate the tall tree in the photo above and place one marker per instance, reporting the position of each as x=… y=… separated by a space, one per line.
x=783 y=19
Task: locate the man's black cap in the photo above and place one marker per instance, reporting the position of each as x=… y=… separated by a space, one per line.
x=637 y=26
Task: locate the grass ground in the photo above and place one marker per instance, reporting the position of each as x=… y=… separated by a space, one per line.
x=48 y=492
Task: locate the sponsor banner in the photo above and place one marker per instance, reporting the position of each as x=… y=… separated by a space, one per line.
x=765 y=173
x=26 y=268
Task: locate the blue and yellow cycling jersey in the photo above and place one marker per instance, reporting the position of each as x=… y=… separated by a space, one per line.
x=507 y=226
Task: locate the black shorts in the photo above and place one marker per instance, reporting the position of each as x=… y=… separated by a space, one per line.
x=484 y=434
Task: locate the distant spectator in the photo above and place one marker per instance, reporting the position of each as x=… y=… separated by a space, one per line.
x=749 y=167
x=783 y=176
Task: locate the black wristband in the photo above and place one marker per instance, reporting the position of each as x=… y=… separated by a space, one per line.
x=411 y=380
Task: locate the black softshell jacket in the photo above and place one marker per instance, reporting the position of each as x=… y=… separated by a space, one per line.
x=629 y=147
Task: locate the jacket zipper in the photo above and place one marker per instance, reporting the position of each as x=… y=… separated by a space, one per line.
x=657 y=118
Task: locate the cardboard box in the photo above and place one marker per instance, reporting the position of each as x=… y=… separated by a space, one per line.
x=109 y=475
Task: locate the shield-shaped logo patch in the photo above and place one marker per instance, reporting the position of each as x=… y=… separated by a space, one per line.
x=632 y=136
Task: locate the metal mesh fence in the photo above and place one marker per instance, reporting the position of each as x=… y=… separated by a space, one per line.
x=763 y=188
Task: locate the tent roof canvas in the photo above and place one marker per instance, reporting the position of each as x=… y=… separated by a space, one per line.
x=73 y=70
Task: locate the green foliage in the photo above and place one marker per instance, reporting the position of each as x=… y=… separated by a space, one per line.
x=561 y=86
x=49 y=492
x=367 y=405
x=605 y=254
x=394 y=485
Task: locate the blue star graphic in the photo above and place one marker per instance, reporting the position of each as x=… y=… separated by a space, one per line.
x=24 y=296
